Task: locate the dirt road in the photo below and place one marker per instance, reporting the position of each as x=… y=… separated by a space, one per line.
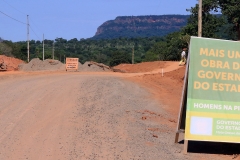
x=78 y=116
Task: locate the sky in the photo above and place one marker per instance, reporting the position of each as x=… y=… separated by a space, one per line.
x=70 y=19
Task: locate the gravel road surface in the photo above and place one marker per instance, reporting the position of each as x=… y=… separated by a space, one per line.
x=77 y=116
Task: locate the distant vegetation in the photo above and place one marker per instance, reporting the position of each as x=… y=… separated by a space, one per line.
x=116 y=46
x=105 y=51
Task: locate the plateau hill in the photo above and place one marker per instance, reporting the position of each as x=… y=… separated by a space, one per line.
x=140 y=26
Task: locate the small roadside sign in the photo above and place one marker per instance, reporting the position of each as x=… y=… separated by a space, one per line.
x=71 y=64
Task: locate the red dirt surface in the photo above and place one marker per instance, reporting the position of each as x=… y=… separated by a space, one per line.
x=11 y=62
x=145 y=66
x=167 y=88
x=43 y=125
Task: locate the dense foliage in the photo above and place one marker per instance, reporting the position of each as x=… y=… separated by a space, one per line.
x=231 y=9
x=102 y=51
x=224 y=26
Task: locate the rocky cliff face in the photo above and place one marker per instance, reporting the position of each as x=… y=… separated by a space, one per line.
x=141 y=26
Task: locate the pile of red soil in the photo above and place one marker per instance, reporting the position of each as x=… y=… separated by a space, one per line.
x=143 y=67
x=36 y=64
x=11 y=62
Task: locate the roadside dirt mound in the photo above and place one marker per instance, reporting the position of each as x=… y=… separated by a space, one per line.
x=143 y=67
x=11 y=62
x=54 y=65
x=38 y=65
x=146 y=66
x=88 y=67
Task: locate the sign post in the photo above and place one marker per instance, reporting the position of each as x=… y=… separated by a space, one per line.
x=183 y=103
x=71 y=64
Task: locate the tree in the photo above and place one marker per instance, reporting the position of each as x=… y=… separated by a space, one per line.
x=49 y=42
x=60 y=40
x=211 y=22
x=74 y=40
x=5 y=49
x=157 y=52
x=186 y=39
x=119 y=57
x=167 y=49
x=231 y=9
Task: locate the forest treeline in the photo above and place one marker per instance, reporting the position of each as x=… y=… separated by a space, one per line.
x=120 y=50
x=108 y=51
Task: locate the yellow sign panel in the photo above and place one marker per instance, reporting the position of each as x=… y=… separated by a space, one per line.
x=71 y=64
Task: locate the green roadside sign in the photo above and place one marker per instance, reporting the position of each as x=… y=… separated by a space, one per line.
x=213 y=91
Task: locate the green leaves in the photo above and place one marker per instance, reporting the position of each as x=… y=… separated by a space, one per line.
x=5 y=49
x=211 y=21
x=231 y=9
x=118 y=58
x=213 y=25
x=168 y=49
